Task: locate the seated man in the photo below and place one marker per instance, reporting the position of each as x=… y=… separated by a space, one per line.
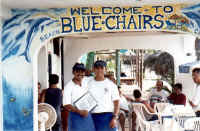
x=124 y=109
x=158 y=94
x=177 y=97
x=138 y=99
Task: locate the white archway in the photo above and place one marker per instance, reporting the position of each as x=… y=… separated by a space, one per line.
x=74 y=48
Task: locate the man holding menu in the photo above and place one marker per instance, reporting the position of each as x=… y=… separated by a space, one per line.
x=79 y=119
x=105 y=114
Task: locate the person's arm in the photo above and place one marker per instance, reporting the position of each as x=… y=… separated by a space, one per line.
x=67 y=102
x=192 y=104
x=150 y=109
x=128 y=98
x=124 y=110
x=115 y=98
x=196 y=100
x=42 y=96
x=113 y=122
x=71 y=108
x=149 y=98
x=116 y=107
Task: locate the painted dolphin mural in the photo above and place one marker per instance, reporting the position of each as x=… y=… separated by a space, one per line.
x=193 y=13
x=17 y=36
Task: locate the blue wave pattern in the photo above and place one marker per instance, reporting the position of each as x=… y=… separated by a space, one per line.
x=193 y=13
x=19 y=31
x=18 y=110
x=17 y=36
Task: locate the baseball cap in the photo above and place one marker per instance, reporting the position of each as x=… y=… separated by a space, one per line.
x=100 y=63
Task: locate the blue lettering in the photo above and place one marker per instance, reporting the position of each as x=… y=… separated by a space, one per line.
x=125 y=10
x=140 y=21
x=135 y=10
x=117 y=10
x=75 y=25
x=132 y=21
x=156 y=18
x=66 y=25
x=84 y=11
x=94 y=13
x=94 y=23
x=48 y=35
x=84 y=23
x=147 y=20
x=75 y=11
x=121 y=22
x=157 y=8
x=107 y=22
x=168 y=9
x=106 y=10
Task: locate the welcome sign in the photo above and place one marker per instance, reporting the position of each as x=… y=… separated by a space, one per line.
x=28 y=29
x=137 y=18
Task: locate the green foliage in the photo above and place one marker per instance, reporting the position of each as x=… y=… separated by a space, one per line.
x=90 y=60
x=110 y=65
x=163 y=64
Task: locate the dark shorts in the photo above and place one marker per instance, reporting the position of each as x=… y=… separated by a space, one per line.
x=102 y=121
x=153 y=118
x=56 y=127
x=197 y=114
x=79 y=123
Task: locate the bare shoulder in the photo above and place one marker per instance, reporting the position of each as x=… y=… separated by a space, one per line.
x=43 y=91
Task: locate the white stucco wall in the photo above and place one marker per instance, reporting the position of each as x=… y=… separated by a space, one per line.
x=69 y=59
x=173 y=44
x=42 y=67
x=186 y=78
x=4 y=11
